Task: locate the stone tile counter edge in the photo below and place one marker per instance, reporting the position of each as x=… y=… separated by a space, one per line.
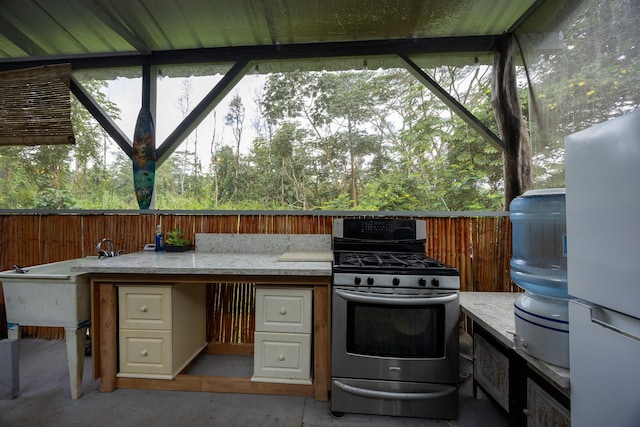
x=494 y=312
x=227 y=254
x=262 y=243
x=147 y=262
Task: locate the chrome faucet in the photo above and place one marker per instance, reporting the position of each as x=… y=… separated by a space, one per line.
x=19 y=269
x=109 y=251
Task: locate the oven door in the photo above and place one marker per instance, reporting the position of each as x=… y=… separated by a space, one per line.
x=395 y=338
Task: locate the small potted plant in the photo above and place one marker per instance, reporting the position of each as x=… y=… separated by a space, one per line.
x=176 y=242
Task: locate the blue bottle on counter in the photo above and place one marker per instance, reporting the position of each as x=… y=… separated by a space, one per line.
x=159 y=239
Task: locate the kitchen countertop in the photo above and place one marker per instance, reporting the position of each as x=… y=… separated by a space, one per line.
x=192 y=262
x=227 y=254
x=493 y=311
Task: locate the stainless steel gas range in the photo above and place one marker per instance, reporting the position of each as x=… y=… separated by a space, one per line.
x=394 y=322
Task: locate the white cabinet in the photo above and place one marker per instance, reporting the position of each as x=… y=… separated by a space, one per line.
x=282 y=348
x=161 y=328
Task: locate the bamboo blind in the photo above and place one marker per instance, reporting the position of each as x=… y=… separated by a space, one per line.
x=230 y=309
x=35 y=106
x=480 y=247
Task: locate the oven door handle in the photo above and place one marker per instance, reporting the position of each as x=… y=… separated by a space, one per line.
x=391 y=300
x=377 y=394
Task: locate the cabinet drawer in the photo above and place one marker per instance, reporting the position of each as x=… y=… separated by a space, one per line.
x=145 y=352
x=144 y=307
x=283 y=310
x=543 y=410
x=491 y=370
x=282 y=355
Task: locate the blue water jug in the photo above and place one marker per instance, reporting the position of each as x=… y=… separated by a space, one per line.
x=539 y=261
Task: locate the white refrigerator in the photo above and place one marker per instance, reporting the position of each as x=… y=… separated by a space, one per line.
x=603 y=272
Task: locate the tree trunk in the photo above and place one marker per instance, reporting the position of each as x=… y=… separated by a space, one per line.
x=511 y=122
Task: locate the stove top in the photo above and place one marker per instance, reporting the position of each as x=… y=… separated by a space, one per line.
x=380 y=262
x=383 y=253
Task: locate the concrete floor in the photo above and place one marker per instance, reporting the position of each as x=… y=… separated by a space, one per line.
x=44 y=400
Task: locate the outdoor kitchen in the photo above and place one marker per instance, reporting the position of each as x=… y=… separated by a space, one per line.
x=308 y=213
x=286 y=340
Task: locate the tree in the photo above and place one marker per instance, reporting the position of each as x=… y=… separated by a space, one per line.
x=16 y=184
x=190 y=167
x=350 y=140
x=341 y=106
x=590 y=76
x=382 y=138
x=330 y=106
x=226 y=164
x=475 y=166
x=280 y=164
x=235 y=120
x=291 y=100
x=91 y=179
x=50 y=165
x=119 y=194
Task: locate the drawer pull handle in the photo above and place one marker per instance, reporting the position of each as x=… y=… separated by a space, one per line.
x=144 y=309
x=283 y=310
x=281 y=357
x=143 y=353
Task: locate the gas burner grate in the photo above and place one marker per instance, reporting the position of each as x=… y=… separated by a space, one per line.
x=385 y=260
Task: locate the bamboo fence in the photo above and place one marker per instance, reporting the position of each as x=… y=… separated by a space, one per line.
x=479 y=246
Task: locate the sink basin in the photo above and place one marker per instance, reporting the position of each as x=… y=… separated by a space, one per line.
x=54 y=270
x=51 y=295
x=47 y=295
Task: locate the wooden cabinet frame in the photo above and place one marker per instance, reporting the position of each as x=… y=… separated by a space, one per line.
x=105 y=337
x=520 y=374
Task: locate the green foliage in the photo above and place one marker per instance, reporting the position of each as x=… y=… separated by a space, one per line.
x=393 y=192
x=53 y=198
x=17 y=187
x=352 y=140
x=62 y=176
x=347 y=140
x=176 y=237
x=591 y=75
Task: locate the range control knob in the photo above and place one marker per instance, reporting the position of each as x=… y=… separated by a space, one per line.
x=435 y=282
x=395 y=281
x=422 y=281
x=369 y=280
x=357 y=280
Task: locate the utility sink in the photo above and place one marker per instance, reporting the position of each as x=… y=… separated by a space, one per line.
x=47 y=295
x=51 y=295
